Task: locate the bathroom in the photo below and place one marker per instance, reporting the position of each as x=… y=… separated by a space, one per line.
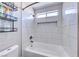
x=40 y=29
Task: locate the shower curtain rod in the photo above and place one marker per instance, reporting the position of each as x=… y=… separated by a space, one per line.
x=30 y=5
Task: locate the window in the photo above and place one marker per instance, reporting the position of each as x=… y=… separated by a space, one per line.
x=47 y=14
x=52 y=14
x=41 y=15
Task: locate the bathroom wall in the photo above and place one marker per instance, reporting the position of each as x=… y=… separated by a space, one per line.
x=27 y=26
x=69 y=25
x=49 y=33
x=45 y=33
x=8 y=39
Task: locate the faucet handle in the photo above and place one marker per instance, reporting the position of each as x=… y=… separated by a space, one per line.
x=30 y=37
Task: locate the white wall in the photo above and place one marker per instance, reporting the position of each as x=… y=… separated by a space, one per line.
x=49 y=33
x=45 y=33
x=53 y=33
x=27 y=26
x=70 y=28
x=8 y=39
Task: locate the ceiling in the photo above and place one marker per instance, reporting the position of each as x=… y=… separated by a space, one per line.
x=35 y=6
x=23 y=4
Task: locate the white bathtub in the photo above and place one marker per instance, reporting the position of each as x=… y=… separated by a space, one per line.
x=44 y=50
x=10 y=52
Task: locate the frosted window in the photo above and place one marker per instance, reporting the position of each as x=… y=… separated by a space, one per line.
x=41 y=15
x=47 y=14
x=52 y=14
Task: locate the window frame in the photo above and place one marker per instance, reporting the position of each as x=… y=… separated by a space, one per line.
x=46 y=14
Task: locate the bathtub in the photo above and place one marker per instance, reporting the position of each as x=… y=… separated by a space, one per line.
x=10 y=52
x=44 y=50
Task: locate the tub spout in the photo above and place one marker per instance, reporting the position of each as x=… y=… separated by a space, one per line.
x=31 y=41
